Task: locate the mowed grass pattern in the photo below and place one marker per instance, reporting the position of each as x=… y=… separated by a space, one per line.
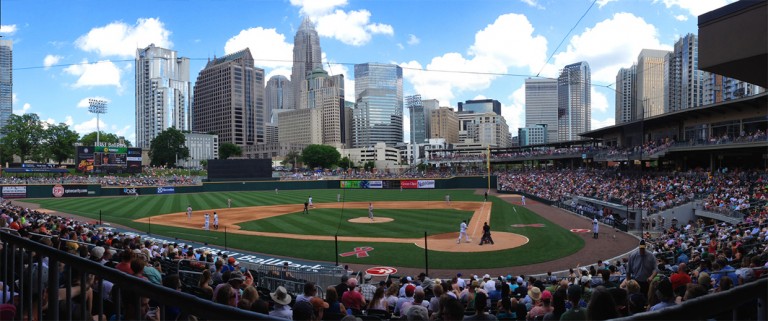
x=548 y=243
x=408 y=223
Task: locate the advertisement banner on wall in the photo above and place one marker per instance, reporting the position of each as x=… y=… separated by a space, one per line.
x=59 y=190
x=129 y=191
x=427 y=184
x=375 y=184
x=166 y=190
x=14 y=191
x=409 y=184
x=350 y=184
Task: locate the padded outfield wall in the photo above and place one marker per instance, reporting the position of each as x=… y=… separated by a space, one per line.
x=17 y=191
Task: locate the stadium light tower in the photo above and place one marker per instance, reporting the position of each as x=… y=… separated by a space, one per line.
x=98 y=107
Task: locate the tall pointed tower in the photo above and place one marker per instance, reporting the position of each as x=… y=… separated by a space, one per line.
x=307 y=56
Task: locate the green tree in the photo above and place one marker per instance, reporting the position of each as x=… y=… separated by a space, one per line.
x=369 y=165
x=323 y=156
x=291 y=158
x=22 y=135
x=345 y=163
x=60 y=142
x=168 y=147
x=227 y=150
x=204 y=163
x=108 y=138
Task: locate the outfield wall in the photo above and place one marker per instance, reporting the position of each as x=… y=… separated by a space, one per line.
x=17 y=191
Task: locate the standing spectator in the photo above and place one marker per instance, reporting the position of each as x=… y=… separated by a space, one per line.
x=641 y=267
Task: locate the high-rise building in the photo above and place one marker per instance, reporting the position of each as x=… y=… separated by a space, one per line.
x=719 y=88
x=480 y=106
x=429 y=106
x=625 y=94
x=574 y=101
x=378 y=114
x=6 y=81
x=307 y=57
x=649 y=83
x=324 y=121
x=684 y=82
x=277 y=95
x=485 y=129
x=445 y=124
x=532 y=135
x=163 y=93
x=229 y=100
x=201 y=147
x=419 y=119
x=541 y=105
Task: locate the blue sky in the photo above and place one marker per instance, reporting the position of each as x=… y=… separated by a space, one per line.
x=68 y=51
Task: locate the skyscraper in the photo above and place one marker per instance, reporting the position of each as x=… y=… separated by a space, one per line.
x=649 y=83
x=480 y=106
x=684 y=82
x=418 y=124
x=574 y=101
x=541 y=105
x=162 y=93
x=378 y=114
x=277 y=95
x=445 y=124
x=6 y=81
x=307 y=57
x=229 y=100
x=625 y=94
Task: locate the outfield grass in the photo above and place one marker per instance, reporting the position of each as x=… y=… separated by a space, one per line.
x=548 y=243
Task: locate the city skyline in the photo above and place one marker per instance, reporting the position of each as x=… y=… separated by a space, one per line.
x=54 y=59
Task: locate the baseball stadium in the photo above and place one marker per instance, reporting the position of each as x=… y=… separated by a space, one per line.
x=663 y=218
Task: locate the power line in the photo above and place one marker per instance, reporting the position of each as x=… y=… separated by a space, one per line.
x=566 y=37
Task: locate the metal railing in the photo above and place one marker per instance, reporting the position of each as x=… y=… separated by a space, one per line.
x=744 y=302
x=22 y=259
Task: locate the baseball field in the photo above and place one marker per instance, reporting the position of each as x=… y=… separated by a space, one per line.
x=273 y=222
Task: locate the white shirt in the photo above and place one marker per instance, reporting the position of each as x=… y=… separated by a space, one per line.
x=463 y=227
x=215 y=217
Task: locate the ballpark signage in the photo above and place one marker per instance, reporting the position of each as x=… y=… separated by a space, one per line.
x=381 y=270
x=375 y=184
x=427 y=184
x=350 y=184
x=59 y=190
x=14 y=191
x=409 y=184
x=129 y=191
x=166 y=190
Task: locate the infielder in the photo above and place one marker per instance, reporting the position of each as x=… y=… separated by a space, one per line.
x=310 y=202
x=447 y=199
x=189 y=212
x=215 y=221
x=522 y=198
x=206 y=225
x=229 y=203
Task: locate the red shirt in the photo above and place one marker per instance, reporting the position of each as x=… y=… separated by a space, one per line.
x=125 y=267
x=678 y=279
x=353 y=299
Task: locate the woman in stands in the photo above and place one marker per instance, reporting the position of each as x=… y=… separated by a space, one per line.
x=392 y=292
x=378 y=302
x=335 y=308
x=205 y=283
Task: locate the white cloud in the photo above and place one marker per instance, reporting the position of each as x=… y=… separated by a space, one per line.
x=89 y=126
x=413 y=40
x=602 y=3
x=51 y=121
x=314 y=8
x=24 y=109
x=599 y=101
x=14 y=98
x=352 y=28
x=533 y=3
x=51 y=60
x=279 y=71
x=597 y=124
x=268 y=47
x=514 y=113
x=68 y=120
x=681 y=17
x=485 y=55
x=400 y=46
x=609 y=45
x=8 y=29
x=697 y=7
x=84 y=102
x=101 y=73
x=121 y=39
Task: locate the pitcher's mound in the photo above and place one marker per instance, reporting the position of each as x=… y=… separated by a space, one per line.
x=447 y=242
x=366 y=220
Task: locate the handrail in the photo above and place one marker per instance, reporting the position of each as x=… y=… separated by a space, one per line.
x=165 y=296
x=706 y=307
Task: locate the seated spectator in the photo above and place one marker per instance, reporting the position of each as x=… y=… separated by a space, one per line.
x=282 y=299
